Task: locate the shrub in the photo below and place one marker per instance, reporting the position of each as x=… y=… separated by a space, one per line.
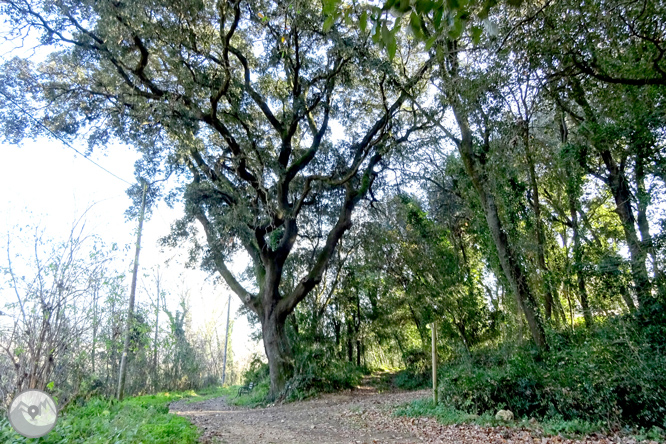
x=409 y=380
x=615 y=375
x=319 y=371
x=256 y=372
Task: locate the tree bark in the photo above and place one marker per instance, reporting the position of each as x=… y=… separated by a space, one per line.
x=226 y=343
x=157 y=329
x=578 y=261
x=617 y=182
x=643 y=201
x=130 y=312
x=278 y=352
x=620 y=189
x=508 y=258
x=350 y=343
x=540 y=238
x=475 y=168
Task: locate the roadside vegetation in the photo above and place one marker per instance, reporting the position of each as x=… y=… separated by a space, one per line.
x=133 y=420
x=494 y=171
x=604 y=381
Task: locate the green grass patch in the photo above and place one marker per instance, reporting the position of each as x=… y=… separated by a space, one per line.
x=141 y=419
x=213 y=392
x=576 y=428
x=444 y=414
x=257 y=397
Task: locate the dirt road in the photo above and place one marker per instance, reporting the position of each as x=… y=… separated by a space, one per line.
x=358 y=416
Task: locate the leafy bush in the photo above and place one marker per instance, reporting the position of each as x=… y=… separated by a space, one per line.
x=447 y=415
x=409 y=380
x=256 y=372
x=255 y=398
x=319 y=371
x=615 y=376
x=416 y=360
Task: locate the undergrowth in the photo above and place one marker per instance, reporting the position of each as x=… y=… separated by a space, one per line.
x=317 y=370
x=447 y=415
x=609 y=379
x=134 y=420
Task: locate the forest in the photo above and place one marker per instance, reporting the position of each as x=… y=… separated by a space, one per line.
x=494 y=170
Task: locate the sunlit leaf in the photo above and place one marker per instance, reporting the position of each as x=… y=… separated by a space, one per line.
x=363 y=21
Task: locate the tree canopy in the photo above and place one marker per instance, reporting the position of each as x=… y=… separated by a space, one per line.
x=503 y=163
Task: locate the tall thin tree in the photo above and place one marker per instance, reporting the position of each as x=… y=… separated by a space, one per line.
x=130 y=312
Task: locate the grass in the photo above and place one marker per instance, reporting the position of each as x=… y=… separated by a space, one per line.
x=448 y=415
x=136 y=420
x=257 y=397
x=211 y=393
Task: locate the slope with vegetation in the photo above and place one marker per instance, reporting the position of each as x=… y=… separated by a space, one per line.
x=494 y=167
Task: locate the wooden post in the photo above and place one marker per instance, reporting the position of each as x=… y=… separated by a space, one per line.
x=433 y=326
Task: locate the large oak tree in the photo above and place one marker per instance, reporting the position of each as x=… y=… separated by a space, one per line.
x=239 y=96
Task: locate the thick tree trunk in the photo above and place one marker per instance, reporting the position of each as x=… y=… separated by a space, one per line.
x=278 y=352
x=620 y=189
x=508 y=258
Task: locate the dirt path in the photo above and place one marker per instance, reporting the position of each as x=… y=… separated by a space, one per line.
x=358 y=416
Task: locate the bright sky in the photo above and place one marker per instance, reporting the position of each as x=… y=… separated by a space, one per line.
x=47 y=184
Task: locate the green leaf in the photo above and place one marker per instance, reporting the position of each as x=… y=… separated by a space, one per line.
x=348 y=19
x=415 y=25
x=363 y=21
x=386 y=35
x=424 y=6
x=476 y=34
x=403 y=6
x=377 y=36
x=392 y=47
x=457 y=28
x=483 y=14
x=437 y=17
x=329 y=6
x=431 y=41
x=328 y=23
x=389 y=4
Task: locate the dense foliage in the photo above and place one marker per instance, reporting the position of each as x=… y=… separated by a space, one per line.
x=498 y=170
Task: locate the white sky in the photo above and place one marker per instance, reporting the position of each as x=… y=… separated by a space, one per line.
x=47 y=184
